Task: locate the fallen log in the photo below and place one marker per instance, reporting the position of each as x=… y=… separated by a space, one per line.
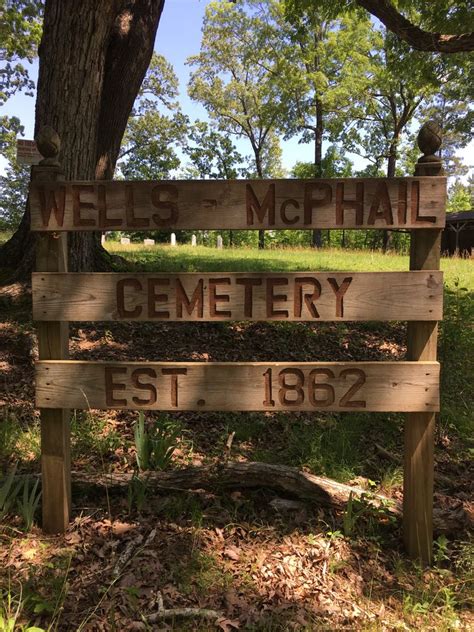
x=281 y=478
x=236 y=475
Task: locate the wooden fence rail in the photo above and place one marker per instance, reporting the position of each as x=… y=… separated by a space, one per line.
x=239 y=204
x=295 y=296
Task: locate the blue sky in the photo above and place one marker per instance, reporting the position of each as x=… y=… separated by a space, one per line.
x=179 y=36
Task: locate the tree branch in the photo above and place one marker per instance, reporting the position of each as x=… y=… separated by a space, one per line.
x=414 y=35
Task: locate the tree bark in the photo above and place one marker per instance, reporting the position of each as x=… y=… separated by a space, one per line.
x=414 y=35
x=391 y=167
x=86 y=51
x=261 y=231
x=317 y=237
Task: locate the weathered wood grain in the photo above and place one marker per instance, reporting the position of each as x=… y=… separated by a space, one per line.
x=301 y=296
x=418 y=473
x=239 y=204
x=244 y=386
x=53 y=339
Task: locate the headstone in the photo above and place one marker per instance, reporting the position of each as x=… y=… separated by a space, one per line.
x=193 y=240
x=219 y=242
x=102 y=239
x=124 y=241
x=173 y=239
x=148 y=242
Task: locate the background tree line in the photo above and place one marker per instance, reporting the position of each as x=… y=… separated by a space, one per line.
x=267 y=70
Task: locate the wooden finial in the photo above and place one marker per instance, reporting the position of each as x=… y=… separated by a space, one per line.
x=429 y=141
x=49 y=144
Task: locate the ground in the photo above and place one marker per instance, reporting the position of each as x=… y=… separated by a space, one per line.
x=260 y=566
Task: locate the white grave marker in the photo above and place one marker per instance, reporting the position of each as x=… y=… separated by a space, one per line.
x=219 y=242
x=148 y=242
x=125 y=241
x=193 y=240
x=173 y=239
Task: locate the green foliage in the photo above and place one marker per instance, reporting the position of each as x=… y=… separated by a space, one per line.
x=149 y=145
x=458 y=364
x=137 y=492
x=353 y=511
x=440 y=549
x=14 y=182
x=20 y=33
x=155 y=445
x=90 y=436
x=365 y=516
x=459 y=197
x=451 y=107
x=11 y=607
x=20 y=28
x=212 y=153
x=9 y=433
x=236 y=82
x=333 y=165
x=8 y=493
x=160 y=84
x=13 y=193
x=402 y=80
x=324 y=66
x=446 y=16
x=28 y=502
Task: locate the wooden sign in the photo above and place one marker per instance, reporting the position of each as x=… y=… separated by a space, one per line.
x=240 y=386
x=27 y=153
x=239 y=204
x=299 y=296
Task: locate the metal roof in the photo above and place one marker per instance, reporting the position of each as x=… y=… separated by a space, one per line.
x=460 y=216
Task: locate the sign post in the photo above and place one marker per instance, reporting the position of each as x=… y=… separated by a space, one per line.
x=425 y=249
x=53 y=344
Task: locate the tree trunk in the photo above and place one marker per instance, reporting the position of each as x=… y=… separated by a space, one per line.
x=86 y=50
x=317 y=237
x=391 y=167
x=261 y=232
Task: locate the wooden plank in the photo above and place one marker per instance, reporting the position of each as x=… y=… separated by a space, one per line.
x=425 y=249
x=239 y=204
x=53 y=339
x=244 y=386
x=301 y=296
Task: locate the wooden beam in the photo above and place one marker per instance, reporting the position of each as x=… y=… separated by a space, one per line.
x=257 y=296
x=244 y=386
x=53 y=340
x=239 y=204
x=425 y=248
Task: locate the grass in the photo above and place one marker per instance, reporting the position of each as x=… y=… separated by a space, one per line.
x=204 y=259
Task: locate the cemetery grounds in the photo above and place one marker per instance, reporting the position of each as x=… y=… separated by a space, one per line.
x=240 y=558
